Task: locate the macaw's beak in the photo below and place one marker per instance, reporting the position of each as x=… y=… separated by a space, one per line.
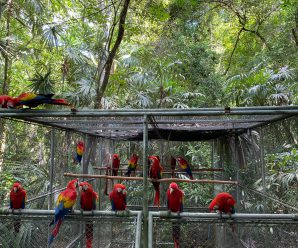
x=15 y=189
x=80 y=189
x=119 y=190
x=171 y=190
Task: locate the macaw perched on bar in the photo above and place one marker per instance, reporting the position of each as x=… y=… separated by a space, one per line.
x=18 y=198
x=32 y=100
x=88 y=203
x=223 y=203
x=155 y=172
x=184 y=166
x=115 y=164
x=118 y=197
x=175 y=197
x=132 y=164
x=64 y=205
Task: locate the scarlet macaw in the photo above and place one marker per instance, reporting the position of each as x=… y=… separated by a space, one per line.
x=184 y=166
x=80 y=151
x=132 y=164
x=115 y=164
x=33 y=100
x=175 y=198
x=155 y=173
x=223 y=202
x=64 y=204
x=17 y=201
x=88 y=203
x=118 y=197
x=7 y=101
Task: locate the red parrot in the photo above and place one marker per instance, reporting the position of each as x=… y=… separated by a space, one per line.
x=175 y=198
x=80 y=151
x=184 y=166
x=17 y=201
x=115 y=164
x=155 y=173
x=64 y=204
x=7 y=101
x=118 y=197
x=33 y=100
x=88 y=203
x=223 y=202
x=132 y=164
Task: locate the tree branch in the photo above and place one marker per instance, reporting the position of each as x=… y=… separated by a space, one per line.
x=233 y=51
x=109 y=62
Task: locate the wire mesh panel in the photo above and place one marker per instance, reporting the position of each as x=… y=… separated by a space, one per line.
x=31 y=229
x=205 y=233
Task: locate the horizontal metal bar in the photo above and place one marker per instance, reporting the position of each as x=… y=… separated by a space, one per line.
x=6 y=211
x=236 y=216
x=154 y=112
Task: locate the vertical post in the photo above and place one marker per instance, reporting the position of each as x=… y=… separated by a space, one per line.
x=263 y=169
x=236 y=164
x=150 y=230
x=145 y=182
x=52 y=165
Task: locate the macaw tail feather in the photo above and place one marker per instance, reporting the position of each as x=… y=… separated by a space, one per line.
x=115 y=172
x=17 y=226
x=188 y=171
x=89 y=234
x=55 y=231
x=129 y=170
x=176 y=234
x=157 y=194
x=59 y=102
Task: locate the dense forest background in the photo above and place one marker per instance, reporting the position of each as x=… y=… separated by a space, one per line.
x=179 y=53
x=148 y=54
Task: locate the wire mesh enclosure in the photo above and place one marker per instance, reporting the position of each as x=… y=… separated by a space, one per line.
x=102 y=229
x=200 y=232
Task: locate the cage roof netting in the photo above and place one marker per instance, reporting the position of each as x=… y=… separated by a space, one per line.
x=169 y=124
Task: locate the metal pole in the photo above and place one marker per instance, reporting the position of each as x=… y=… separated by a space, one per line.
x=145 y=182
x=52 y=165
x=150 y=230
x=263 y=169
x=138 y=230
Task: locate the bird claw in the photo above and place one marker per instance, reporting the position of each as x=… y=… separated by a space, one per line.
x=81 y=211
x=12 y=210
x=92 y=212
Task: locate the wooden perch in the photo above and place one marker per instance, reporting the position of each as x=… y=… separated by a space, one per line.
x=169 y=171
x=149 y=179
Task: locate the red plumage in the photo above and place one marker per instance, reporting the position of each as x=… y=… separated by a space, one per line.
x=155 y=173
x=175 y=198
x=223 y=202
x=118 y=197
x=88 y=203
x=115 y=164
x=17 y=201
x=175 y=204
x=7 y=101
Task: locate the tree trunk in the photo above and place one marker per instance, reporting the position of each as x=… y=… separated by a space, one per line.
x=106 y=64
x=6 y=79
